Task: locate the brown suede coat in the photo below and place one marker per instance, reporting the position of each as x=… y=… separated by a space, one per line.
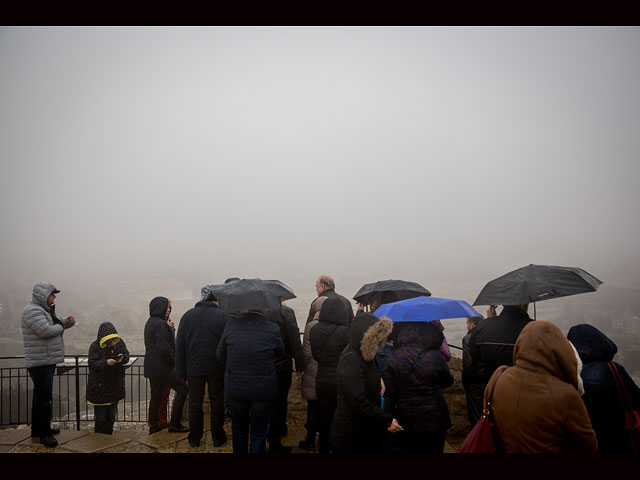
x=536 y=404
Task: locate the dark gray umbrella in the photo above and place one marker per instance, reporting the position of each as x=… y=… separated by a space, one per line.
x=535 y=283
x=237 y=296
x=391 y=291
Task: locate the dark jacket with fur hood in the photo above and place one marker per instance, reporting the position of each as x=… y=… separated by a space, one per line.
x=329 y=338
x=106 y=384
x=359 y=422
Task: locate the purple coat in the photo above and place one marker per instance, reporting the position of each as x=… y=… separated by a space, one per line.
x=415 y=374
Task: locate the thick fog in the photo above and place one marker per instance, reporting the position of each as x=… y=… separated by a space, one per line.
x=441 y=155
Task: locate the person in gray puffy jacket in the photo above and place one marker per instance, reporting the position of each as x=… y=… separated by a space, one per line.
x=42 y=333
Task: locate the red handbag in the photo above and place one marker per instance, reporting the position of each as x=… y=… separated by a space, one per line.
x=631 y=417
x=482 y=437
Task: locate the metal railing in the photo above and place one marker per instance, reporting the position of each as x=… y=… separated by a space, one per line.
x=69 y=392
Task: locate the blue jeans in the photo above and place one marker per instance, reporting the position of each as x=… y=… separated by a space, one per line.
x=105 y=417
x=41 y=408
x=249 y=425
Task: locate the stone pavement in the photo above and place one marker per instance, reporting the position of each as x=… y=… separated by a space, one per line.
x=125 y=440
x=130 y=440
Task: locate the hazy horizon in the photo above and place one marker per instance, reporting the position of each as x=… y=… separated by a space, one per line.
x=442 y=155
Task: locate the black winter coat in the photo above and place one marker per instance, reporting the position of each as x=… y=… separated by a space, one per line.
x=159 y=341
x=285 y=319
x=106 y=384
x=197 y=339
x=415 y=375
x=328 y=339
x=359 y=423
x=249 y=346
x=600 y=391
x=491 y=343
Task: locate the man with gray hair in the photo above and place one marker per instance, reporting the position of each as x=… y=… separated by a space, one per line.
x=326 y=287
x=43 y=348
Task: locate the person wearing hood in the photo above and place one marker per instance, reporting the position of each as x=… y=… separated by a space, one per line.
x=536 y=405
x=359 y=422
x=42 y=333
x=159 y=365
x=601 y=397
x=328 y=340
x=415 y=375
x=106 y=386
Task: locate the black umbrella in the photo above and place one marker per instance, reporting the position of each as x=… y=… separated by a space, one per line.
x=239 y=295
x=535 y=283
x=391 y=291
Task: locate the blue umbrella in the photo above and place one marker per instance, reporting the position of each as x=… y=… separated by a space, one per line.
x=425 y=309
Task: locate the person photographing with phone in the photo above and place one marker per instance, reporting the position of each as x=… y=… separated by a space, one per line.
x=106 y=386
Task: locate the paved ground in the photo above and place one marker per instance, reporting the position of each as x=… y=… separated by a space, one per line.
x=130 y=439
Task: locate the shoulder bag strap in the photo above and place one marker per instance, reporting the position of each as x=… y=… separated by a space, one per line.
x=487 y=407
x=622 y=390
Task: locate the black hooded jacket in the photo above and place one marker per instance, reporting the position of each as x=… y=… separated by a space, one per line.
x=600 y=393
x=106 y=384
x=328 y=339
x=159 y=341
x=414 y=378
x=359 y=423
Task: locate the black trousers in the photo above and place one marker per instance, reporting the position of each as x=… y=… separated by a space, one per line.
x=278 y=414
x=157 y=386
x=474 y=393
x=41 y=408
x=327 y=394
x=215 y=388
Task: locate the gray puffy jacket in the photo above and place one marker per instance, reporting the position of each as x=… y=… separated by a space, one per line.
x=42 y=336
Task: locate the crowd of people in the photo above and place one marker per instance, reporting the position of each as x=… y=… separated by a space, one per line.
x=371 y=385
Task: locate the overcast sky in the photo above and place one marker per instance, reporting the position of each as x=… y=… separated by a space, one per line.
x=414 y=153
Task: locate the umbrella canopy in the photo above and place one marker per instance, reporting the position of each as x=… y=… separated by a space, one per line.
x=426 y=309
x=240 y=295
x=535 y=283
x=391 y=290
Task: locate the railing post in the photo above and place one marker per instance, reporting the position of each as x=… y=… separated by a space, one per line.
x=77 y=394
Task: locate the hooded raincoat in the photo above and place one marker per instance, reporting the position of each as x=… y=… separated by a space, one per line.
x=536 y=403
x=106 y=384
x=600 y=391
x=159 y=340
x=415 y=375
x=359 y=423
